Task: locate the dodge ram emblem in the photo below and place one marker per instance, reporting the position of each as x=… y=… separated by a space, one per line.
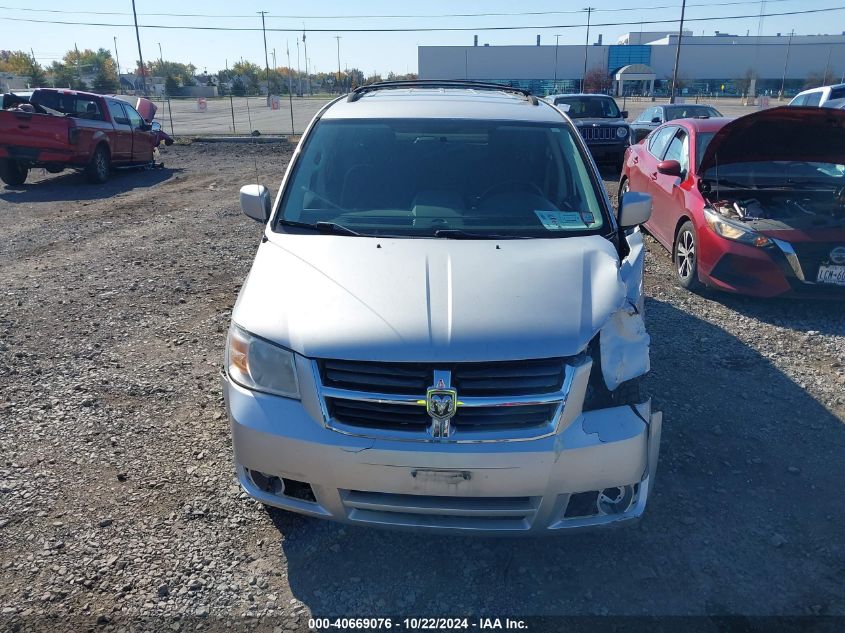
x=440 y=403
x=837 y=255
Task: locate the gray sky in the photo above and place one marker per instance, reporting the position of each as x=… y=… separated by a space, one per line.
x=370 y=52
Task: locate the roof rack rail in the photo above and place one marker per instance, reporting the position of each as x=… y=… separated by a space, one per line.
x=439 y=83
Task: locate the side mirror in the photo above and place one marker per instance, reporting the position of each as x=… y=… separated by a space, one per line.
x=156 y=126
x=255 y=202
x=624 y=114
x=669 y=168
x=656 y=119
x=635 y=209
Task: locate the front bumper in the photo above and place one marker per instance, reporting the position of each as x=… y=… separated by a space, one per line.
x=510 y=487
x=774 y=271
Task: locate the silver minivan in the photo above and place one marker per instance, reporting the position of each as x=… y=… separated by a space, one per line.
x=443 y=325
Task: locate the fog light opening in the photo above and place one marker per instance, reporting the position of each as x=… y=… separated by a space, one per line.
x=615 y=500
x=298 y=490
x=267 y=483
x=582 y=504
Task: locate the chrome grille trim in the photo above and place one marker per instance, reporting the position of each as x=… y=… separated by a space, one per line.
x=460 y=435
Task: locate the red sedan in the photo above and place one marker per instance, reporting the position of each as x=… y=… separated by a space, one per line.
x=754 y=205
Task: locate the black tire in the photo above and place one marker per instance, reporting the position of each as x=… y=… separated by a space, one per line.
x=99 y=169
x=13 y=172
x=685 y=257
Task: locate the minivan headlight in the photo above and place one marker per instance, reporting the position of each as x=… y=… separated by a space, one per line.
x=733 y=231
x=621 y=132
x=256 y=364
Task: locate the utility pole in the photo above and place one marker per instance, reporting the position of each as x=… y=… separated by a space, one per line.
x=231 y=100
x=785 y=64
x=117 y=59
x=160 y=56
x=290 y=85
x=678 y=53
x=589 y=11
x=266 y=60
x=826 y=66
x=78 y=75
x=275 y=66
x=557 y=41
x=298 y=71
x=305 y=53
x=140 y=54
x=339 y=89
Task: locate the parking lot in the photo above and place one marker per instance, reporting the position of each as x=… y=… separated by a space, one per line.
x=242 y=115
x=118 y=500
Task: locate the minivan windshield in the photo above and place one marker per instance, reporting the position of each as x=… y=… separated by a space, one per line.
x=590 y=107
x=442 y=178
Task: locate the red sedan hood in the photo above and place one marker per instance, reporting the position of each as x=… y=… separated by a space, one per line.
x=787 y=133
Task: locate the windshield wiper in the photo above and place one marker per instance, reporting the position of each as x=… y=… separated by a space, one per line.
x=458 y=234
x=321 y=227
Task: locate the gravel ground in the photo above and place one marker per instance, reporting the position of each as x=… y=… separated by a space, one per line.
x=117 y=495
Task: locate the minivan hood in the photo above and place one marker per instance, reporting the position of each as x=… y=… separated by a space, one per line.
x=787 y=133
x=361 y=298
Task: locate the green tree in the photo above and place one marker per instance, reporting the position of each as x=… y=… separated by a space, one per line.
x=63 y=76
x=171 y=86
x=105 y=81
x=23 y=64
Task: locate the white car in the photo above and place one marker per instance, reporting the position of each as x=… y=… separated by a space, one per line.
x=443 y=325
x=818 y=96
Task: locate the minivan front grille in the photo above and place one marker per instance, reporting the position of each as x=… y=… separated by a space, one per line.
x=496 y=400
x=512 y=378
x=404 y=417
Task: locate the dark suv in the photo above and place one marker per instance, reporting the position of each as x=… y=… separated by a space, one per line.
x=600 y=122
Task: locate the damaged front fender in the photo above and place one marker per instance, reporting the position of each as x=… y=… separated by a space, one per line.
x=624 y=344
x=623 y=339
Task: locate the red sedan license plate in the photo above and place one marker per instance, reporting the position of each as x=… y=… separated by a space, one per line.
x=831 y=275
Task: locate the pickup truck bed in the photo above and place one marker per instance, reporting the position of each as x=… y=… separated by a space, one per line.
x=59 y=129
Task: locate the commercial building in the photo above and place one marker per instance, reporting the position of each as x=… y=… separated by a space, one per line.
x=642 y=63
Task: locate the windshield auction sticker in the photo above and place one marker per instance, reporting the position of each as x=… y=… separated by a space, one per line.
x=566 y=220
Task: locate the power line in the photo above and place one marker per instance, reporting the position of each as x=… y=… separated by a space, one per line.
x=391 y=16
x=428 y=29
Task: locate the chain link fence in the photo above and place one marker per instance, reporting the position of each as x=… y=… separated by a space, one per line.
x=239 y=116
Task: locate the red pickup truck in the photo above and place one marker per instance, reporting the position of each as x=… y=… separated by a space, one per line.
x=60 y=129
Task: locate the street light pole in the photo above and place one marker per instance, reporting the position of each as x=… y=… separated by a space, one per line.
x=339 y=88
x=557 y=41
x=298 y=71
x=140 y=55
x=305 y=54
x=589 y=11
x=785 y=64
x=678 y=53
x=290 y=88
x=266 y=60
